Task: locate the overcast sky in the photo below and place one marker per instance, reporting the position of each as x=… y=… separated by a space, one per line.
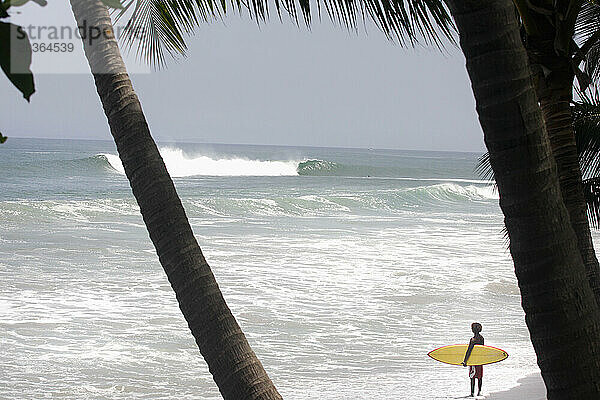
x=277 y=84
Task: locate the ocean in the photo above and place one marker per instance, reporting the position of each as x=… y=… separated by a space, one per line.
x=344 y=267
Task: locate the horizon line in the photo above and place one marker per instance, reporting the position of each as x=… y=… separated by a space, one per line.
x=258 y=145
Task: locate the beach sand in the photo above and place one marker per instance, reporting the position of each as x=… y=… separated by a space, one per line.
x=531 y=388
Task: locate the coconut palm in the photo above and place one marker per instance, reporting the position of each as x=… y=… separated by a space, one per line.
x=157 y=28
x=586 y=126
x=551 y=41
x=235 y=368
x=560 y=308
x=548 y=32
x=549 y=261
x=557 y=298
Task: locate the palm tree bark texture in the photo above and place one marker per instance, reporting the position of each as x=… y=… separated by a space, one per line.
x=560 y=310
x=553 y=77
x=235 y=368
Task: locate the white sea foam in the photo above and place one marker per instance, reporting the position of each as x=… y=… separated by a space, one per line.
x=449 y=191
x=115 y=162
x=460 y=180
x=341 y=285
x=487 y=192
x=180 y=165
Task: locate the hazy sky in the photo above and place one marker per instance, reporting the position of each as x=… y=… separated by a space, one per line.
x=277 y=84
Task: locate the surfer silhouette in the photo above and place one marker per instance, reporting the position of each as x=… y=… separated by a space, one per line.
x=475 y=371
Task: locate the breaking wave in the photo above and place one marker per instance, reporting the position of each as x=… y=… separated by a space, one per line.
x=330 y=203
x=180 y=165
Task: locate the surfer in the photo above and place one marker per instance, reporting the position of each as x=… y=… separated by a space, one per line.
x=475 y=371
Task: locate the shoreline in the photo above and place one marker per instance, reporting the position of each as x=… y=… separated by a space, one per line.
x=530 y=387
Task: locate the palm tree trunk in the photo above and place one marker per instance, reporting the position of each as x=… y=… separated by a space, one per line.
x=559 y=125
x=553 y=81
x=560 y=310
x=234 y=366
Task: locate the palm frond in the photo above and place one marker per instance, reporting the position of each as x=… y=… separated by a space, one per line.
x=505 y=238
x=592 y=63
x=483 y=168
x=588 y=23
x=159 y=27
x=591 y=192
x=588 y=20
x=586 y=124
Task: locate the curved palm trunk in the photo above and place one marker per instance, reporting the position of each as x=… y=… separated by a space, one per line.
x=560 y=309
x=553 y=79
x=234 y=366
x=559 y=125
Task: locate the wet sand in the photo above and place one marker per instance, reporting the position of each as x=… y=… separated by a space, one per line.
x=531 y=388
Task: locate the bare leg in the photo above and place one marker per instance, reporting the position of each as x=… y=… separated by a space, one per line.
x=473 y=386
x=480 y=382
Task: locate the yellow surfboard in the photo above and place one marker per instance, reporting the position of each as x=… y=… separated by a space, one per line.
x=455 y=354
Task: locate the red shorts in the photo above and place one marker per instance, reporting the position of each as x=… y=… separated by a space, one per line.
x=476 y=371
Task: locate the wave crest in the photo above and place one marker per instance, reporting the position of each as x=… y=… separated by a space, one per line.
x=452 y=192
x=317 y=167
x=179 y=165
